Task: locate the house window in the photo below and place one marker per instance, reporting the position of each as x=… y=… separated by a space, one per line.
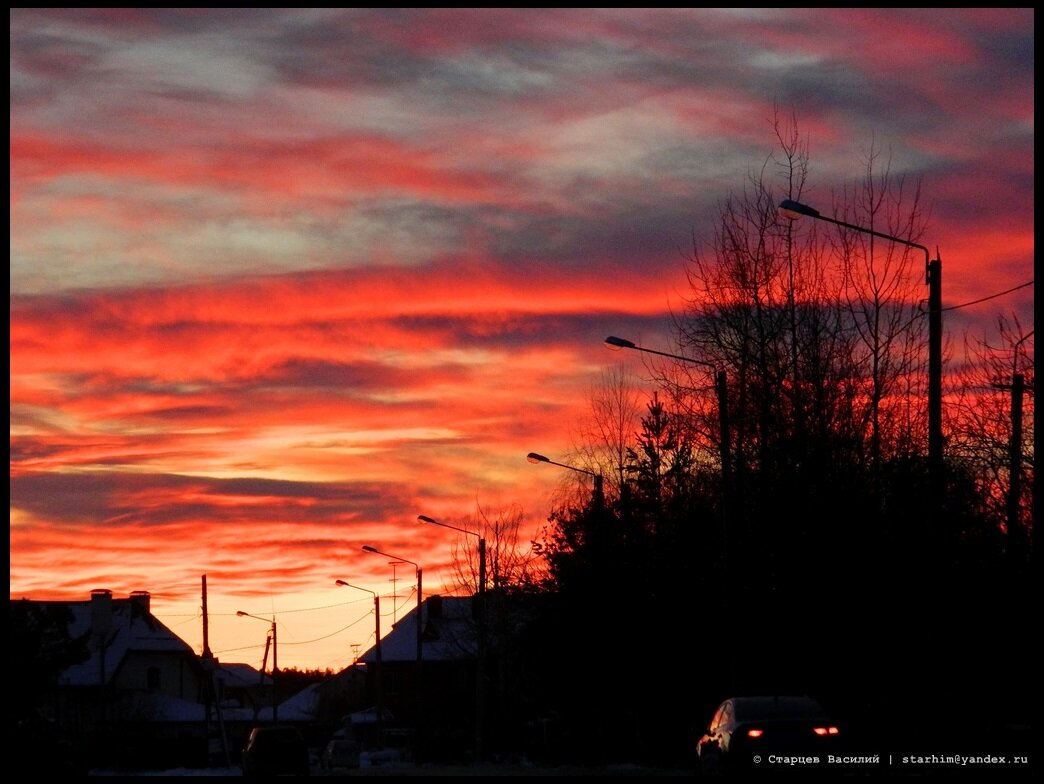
x=152 y=678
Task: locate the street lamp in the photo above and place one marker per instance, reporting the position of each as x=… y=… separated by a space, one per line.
x=724 y=445
x=377 y=650
x=599 y=494
x=794 y=210
x=724 y=438
x=481 y=674
x=481 y=546
x=275 y=662
x=371 y=549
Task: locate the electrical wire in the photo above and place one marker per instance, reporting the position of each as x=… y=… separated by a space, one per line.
x=992 y=296
x=302 y=642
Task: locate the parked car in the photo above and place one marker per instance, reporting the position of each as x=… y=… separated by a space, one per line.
x=340 y=753
x=275 y=751
x=745 y=732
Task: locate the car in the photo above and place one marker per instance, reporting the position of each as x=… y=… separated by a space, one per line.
x=275 y=751
x=341 y=753
x=751 y=734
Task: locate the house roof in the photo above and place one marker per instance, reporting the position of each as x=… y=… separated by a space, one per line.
x=303 y=706
x=449 y=633
x=130 y=628
x=236 y=675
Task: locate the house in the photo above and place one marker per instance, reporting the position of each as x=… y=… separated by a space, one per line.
x=434 y=701
x=132 y=660
x=109 y=675
x=132 y=679
x=241 y=690
x=441 y=709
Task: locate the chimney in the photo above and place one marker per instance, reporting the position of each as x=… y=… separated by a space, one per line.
x=434 y=603
x=141 y=599
x=101 y=614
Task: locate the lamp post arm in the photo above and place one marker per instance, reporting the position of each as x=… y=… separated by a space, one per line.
x=615 y=343
x=882 y=235
x=933 y=278
x=574 y=468
x=275 y=675
x=482 y=564
x=426 y=519
x=788 y=205
x=371 y=549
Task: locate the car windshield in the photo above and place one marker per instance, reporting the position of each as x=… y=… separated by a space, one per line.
x=761 y=708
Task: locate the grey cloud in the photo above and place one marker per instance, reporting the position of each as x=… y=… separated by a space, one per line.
x=99 y=499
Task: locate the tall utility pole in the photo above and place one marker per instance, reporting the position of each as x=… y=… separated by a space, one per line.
x=275 y=675
x=480 y=688
x=206 y=623
x=721 y=389
x=793 y=210
x=378 y=688
x=418 y=689
x=479 y=607
x=270 y=640
x=209 y=664
x=933 y=274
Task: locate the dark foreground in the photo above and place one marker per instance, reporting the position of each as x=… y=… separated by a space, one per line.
x=428 y=770
x=515 y=770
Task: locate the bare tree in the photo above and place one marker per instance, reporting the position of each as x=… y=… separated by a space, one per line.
x=821 y=338
x=881 y=283
x=982 y=420
x=604 y=438
x=510 y=564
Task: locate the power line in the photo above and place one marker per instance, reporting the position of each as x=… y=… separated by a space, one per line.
x=302 y=642
x=405 y=601
x=287 y=612
x=328 y=636
x=992 y=296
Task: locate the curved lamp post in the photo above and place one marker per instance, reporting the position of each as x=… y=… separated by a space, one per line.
x=721 y=388
x=377 y=652
x=275 y=661
x=481 y=674
x=599 y=494
x=794 y=210
x=481 y=546
x=420 y=631
x=724 y=445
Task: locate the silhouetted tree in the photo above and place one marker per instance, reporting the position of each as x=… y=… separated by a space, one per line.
x=882 y=281
x=293 y=680
x=623 y=573
x=822 y=338
x=511 y=563
x=980 y=424
x=604 y=437
x=41 y=649
x=819 y=558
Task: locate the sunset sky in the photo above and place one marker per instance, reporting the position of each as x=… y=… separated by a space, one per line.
x=283 y=280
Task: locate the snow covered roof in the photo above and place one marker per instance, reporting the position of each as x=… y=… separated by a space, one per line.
x=449 y=633
x=114 y=628
x=303 y=706
x=240 y=676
